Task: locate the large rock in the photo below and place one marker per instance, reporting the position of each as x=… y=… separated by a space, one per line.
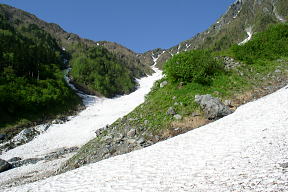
x=131 y=133
x=2 y=137
x=4 y=165
x=171 y=111
x=163 y=84
x=212 y=107
x=177 y=117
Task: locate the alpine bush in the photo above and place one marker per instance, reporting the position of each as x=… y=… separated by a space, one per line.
x=193 y=66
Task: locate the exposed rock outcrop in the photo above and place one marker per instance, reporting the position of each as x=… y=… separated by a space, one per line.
x=213 y=108
x=4 y=165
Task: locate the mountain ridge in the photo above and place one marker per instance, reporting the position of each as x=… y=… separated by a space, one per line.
x=230 y=22
x=67 y=40
x=234 y=23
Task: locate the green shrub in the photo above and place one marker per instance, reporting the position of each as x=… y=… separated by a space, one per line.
x=194 y=66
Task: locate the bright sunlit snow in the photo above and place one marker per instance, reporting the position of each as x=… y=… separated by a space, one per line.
x=245 y=151
x=249 y=33
x=79 y=130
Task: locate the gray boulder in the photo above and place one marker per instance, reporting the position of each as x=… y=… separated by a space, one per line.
x=177 y=117
x=284 y=165
x=228 y=103
x=131 y=133
x=58 y=121
x=146 y=122
x=171 y=111
x=162 y=84
x=4 y=165
x=141 y=140
x=213 y=108
x=2 y=137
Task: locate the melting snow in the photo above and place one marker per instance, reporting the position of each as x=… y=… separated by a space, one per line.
x=155 y=59
x=80 y=129
x=245 y=151
x=237 y=14
x=178 y=49
x=249 y=33
x=280 y=18
x=187 y=46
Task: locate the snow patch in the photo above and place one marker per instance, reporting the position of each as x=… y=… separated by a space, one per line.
x=187 y=46
x=178 y=49
x=87 y=99
x=279 y=17
x=155 y=59
x=249 y=33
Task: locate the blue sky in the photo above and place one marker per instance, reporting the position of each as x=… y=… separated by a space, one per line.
x=140 y=25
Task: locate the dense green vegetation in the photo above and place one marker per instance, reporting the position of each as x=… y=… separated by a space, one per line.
x=31 y=80
x=268 y=45
x=194 y=66
x=101 y=72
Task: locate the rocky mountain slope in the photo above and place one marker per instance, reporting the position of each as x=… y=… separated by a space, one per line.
x=242 y=17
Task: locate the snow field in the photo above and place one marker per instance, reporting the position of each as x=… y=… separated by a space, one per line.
x=241 y=152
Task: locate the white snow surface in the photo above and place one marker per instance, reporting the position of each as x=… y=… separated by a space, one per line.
x=240 y=152
x=81 y=128
x=178 y=49
x=249 y=33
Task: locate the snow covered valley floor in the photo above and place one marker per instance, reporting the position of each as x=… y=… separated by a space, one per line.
x=245 y=151
x=73 y=133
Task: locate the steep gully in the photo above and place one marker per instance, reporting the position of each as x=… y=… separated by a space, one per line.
x=72 y=134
